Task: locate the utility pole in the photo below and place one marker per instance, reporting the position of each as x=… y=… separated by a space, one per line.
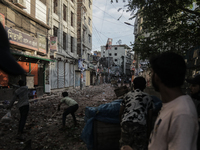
x=81 y=78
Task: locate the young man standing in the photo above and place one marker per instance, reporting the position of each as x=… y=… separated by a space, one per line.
x=73 y=106
x=176 y=127
x=133 y=113
x=21 y=94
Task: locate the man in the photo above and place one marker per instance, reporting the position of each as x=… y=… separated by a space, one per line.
x=195 y=94
x=21 y=94
x=73 y=106
x=133 y=113
x=176 y=126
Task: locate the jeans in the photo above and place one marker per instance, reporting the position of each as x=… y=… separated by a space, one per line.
x=23 y=116
x=70 y=110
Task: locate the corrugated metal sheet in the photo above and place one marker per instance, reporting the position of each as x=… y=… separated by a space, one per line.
x=71 y=75
x=87 y=83
x=67 y=72
x=84 y=78
x=77 y=78
x=54 y=76
x=61 y=71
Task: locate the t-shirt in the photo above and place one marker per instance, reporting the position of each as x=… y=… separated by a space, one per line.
x=69 y=101
x=176 y=127
x=136 y=105
x=21 y=94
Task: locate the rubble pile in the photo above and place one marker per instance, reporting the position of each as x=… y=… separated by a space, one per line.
x=43 y=123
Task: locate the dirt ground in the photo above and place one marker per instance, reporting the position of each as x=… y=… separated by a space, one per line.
x=42 y=130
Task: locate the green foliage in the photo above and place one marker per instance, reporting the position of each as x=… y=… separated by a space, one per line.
x=167 y=25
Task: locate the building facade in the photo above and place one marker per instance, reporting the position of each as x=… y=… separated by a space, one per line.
x=121 y=56
x=63 y=37
x=27 y=27
x=84 y=39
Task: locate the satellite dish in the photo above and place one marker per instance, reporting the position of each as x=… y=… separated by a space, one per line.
x=119 y=42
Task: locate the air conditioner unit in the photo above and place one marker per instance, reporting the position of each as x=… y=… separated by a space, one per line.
x=20 y=3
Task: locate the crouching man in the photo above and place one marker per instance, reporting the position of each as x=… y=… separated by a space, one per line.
x=73 y=107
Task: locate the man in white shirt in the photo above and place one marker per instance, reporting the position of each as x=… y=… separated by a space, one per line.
x=176 y=127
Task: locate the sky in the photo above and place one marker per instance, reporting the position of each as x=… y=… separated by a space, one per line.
x=108 y=22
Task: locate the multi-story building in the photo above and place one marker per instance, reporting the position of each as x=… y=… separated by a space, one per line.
x=63 y=34
x=27 y=27
x=84 y=37
x=121 y=55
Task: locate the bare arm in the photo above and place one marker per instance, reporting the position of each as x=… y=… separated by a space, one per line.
x=59 y=105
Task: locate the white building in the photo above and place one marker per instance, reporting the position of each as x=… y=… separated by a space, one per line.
x=121 y=56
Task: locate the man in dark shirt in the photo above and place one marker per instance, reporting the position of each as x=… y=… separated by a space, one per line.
x=21 y=94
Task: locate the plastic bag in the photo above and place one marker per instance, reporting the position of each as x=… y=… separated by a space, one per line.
x=7 y=117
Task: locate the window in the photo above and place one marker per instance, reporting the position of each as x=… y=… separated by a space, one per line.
x=89 y=20
x=104 y=51
x=89 y=38
x=110 y=54
x=64 y=41
x=55 y=6
x=115 y=54
x=72 y=1
x=88 y=56
x=103 y=55
x=65 y=12
x=115 y=48
x=72 y=43
x=115 y=59
x=84 y=35
x=72 y=19
x=55 y=31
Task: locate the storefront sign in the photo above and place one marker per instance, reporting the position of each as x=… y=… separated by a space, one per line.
x=91 y=66
x=2 y=19
x=42 y=43
x=21 y=39
x=53 y=43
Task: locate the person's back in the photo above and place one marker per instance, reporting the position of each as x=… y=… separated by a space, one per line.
x=136 y=105
x=133 y=112
x=22 y=95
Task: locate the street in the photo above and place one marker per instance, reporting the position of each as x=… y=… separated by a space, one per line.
x=43 y=123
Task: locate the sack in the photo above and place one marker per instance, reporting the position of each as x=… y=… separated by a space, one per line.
x=7 y=117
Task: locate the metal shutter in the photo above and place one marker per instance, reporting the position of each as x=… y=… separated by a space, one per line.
x=67 y=74
x=61 y=74
x=54 y=75
x=71 y=75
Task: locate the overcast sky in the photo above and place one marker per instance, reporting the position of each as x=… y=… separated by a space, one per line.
x=109 y=23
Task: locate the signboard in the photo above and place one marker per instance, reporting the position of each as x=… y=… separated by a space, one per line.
x=21 y=39
x=2 y=19
x=42 y=43
x=53 y=43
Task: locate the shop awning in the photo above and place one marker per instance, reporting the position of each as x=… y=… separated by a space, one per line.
x=33 y=58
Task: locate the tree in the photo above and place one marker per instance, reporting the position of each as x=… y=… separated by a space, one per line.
x=171 y=25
